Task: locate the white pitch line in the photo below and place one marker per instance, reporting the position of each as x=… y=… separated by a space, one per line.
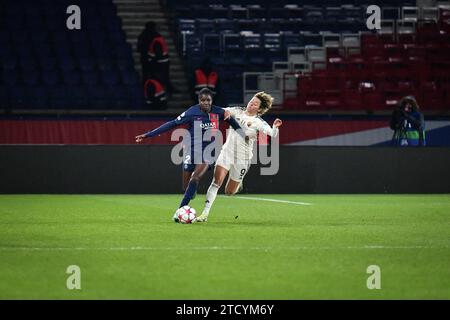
x=275 y=200
x=373 y=247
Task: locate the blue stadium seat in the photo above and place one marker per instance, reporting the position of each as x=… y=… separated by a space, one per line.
x=254 y=25
x=86 y=64
x=78 y=97
x=277 y=13
x=62 y=51
x=293 y=11
x=311 y=39
x=211 y=44
x=67 y=63
x=71 y=78
x=198 y=10
x=226 y=25
x=50 y=78
x=93 y=25
x=35 y=23
x=59 y=37
x=5 y=38
x=219 y=12
x=9 y=63
x=136 y=97
x=58 y=98
x=123 y=52
x=186 y=25
x=44 y=51
x=31 y=78
x=256 y=63
x=110 y=78
x=205 y=26
x=37 y=98
x=184 y=12
x=272 y=42
x=99 y=97
x=105 y=64
x=18 y=96
x=232 y=44
x=79 y=38
x=4 y=97
x=290 y=39
x=15 y=23
x=193 y=44
x=334 y=13
x=21 y=37
x=130 y=78
x=114 y=25
x=120 y=98
x=255 y=11
x=238 y=12
x=28 y=65
x=117 y=38
x=83 y=51
x=252 y=42
x=125 y=65
x=12 y=9
x=90 y=77
x=6 y=52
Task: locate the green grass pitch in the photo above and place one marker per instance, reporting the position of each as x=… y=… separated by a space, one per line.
x=127 y=247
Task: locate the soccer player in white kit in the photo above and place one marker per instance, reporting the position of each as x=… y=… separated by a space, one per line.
x=237 y=152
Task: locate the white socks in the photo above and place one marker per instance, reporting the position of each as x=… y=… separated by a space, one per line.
x=211 y=195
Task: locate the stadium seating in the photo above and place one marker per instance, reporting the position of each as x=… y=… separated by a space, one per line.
x=45 y=65
x=329 y=36
x=332 y=35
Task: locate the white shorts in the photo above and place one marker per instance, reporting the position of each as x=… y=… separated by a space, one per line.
x=237 y=168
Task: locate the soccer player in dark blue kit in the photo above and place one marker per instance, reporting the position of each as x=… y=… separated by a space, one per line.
x=207 y=117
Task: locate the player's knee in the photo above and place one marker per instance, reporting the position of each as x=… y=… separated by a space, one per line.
x=196 y=178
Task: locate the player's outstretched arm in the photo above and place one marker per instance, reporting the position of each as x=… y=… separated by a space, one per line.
x=277 y=123
x=161 y=129
x=271 y=131
x=140 y=138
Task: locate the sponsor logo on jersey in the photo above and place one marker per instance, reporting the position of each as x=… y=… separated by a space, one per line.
x=208 y=125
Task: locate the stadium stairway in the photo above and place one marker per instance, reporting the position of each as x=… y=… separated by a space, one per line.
x=134 y=15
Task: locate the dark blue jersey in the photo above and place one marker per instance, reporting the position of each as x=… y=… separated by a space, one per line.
x=199 y=125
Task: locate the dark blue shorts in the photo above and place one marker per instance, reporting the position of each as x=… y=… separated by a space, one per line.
x=189 y=165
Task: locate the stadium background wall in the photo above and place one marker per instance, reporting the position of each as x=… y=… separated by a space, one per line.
x=114 y=169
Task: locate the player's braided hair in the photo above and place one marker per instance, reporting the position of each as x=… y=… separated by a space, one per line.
x=205 y=92
x=266 y=102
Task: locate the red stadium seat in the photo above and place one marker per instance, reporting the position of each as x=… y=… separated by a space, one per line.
x=446 y=90
x=332 y=100
x=313 y=101
x=431 y=97
x=373 y=100
x=406 y=87
x=291 y=104
x=352 y=100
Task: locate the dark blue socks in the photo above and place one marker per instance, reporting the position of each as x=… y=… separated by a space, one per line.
x=190 y=193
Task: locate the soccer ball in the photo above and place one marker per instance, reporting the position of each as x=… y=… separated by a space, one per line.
x=186 y=214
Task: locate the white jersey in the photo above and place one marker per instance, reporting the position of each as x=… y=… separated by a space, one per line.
x=251 y=125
